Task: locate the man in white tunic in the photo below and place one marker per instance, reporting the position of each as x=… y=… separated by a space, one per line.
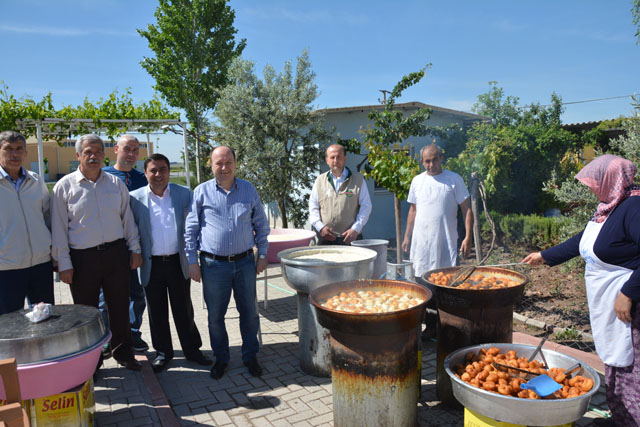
x=431 y=230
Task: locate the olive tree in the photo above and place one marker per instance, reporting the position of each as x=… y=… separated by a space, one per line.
x=277 y=135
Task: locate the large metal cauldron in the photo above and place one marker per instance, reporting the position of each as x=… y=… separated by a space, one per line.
x=468 y=317
x=305 y=275
x=374 y=357
x=542 y=412
x=56 y=354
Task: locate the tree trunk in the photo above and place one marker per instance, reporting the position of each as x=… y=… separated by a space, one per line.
x=283 y=212
x=477 y=242
x=397 y=211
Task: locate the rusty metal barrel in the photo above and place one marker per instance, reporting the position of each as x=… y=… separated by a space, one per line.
x=468 y=317
x=374 y=357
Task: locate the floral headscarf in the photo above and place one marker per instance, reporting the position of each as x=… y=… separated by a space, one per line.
x=610 y=178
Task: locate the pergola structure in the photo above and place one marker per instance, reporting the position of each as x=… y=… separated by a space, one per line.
x=72 y=126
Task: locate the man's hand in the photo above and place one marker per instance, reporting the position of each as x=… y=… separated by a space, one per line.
x=622 y=306
x=534 y=258
x=66 y=276
x=349 y=236
x=406 y=244
x=194 y=272
x=465 y=247
x=261 y=265
x=135 y=260
x=327 y=234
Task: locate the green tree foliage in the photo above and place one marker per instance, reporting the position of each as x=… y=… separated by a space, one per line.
x=518 y=151
x=635 y=13
x=581 y=203
x=194 y=45
x=389 y=163
x=271 y=124
x=13 y=111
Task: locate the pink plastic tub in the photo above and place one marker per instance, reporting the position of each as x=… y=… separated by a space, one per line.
x=287 y=238
x=45 y=379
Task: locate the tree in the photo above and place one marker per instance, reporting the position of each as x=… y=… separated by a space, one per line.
x=14 y=111
x=635 y=13
x=388 y=162
x=517 y=153
x=271 y=124
x=194 y=44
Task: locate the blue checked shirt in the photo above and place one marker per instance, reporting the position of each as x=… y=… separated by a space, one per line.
x=224 y=223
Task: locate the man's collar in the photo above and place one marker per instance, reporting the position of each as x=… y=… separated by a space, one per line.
x=5 y=174
x=80 y=176
x=345 y=173
x=164 y=193
x=235 y=183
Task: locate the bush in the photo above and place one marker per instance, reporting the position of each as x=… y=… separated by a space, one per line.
x=531 y=232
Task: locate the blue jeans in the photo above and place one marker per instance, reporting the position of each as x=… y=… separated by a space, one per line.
x=218 y=279
x=35 y=283
x=137 y=304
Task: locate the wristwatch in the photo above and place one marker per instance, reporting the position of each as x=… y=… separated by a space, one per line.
x=262 y=256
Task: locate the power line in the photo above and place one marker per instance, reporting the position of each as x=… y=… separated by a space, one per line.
x=580 y=102
x=598 y=99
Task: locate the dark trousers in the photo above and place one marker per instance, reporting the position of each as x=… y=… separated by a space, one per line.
x=136 y=305
x=167 y=278
x=107 y=269
x=35 y=283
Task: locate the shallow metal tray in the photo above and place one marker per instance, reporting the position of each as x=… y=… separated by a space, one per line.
x=543 y=412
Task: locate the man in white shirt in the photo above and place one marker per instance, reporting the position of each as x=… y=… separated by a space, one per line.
x=160 y=209
x=432 y=222
x=92 y=228
x=339 y=204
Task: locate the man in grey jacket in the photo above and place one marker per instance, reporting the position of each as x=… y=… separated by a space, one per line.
x=159 y=210
x=25 y=239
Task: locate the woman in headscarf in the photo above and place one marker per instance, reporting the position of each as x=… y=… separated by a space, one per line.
x=610 y=246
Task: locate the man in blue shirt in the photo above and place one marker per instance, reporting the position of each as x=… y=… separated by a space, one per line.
x=225 y=222
x=127 y=150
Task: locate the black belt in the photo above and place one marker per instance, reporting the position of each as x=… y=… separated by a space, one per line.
x=165 y=258
x=103 y=246
x=228 y=258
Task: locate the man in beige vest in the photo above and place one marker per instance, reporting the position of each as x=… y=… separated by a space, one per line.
x=339 y=204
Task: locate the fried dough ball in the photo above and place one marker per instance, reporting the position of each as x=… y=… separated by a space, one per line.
x=481 y=373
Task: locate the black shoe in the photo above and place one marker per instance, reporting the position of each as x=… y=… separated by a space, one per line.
x=160 y=362
x=200 y=359
x=131 y=364
x=218 y=370
x=106 y=351
x=139 y=345
x=254 y=367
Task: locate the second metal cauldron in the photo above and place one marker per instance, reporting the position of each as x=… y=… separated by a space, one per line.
x=468 y=317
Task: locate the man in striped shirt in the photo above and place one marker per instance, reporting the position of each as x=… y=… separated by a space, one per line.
x=225 y=222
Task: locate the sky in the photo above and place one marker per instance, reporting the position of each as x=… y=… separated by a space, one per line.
x=580 y=49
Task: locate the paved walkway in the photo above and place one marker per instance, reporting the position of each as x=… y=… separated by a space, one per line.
x=284 y=396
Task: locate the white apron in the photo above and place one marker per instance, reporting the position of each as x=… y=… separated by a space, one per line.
x=612 y=336
x=435 y=235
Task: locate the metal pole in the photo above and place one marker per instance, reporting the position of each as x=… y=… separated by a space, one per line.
x=477 y=241
x=198 y=157
x=186 y=154
x=40 y=150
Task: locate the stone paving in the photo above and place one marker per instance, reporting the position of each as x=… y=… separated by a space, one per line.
x=185 y=394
